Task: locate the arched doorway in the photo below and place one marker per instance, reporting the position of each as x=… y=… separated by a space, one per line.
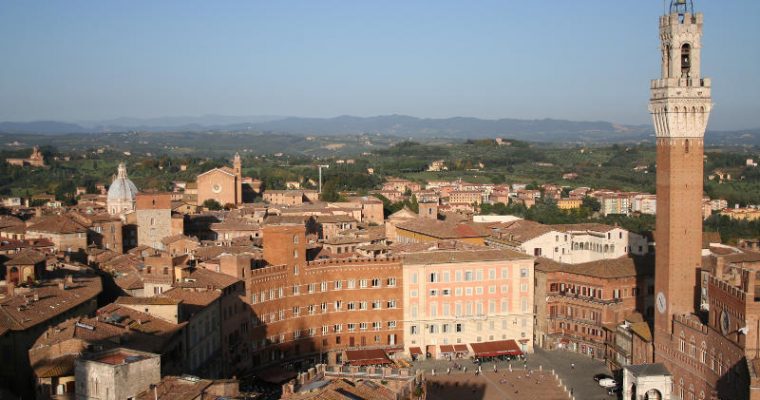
x=633 y=392
x=653 y=394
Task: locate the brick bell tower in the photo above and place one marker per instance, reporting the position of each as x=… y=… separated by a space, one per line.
x=680 y=106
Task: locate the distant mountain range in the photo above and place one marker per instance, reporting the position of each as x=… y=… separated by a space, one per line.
x=544 y=130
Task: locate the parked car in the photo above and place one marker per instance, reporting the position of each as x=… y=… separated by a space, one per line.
x=599 y=377
x=607 y=383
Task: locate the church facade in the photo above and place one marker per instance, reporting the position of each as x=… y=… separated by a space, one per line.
x=224 y=185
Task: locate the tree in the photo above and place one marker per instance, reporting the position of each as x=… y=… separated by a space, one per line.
x=212 y=205
x=591 y=203
x=330 y=191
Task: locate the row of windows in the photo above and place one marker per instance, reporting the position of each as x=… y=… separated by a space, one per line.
x=460 y=327
x=468 y=291
x=332 y=329
x=468 y=308
x=467 y=275
x=323 y=308
x=273 y=294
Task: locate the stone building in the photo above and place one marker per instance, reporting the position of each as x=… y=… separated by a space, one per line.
x=460 y=294
x=154 y=219
x=568 y=243
x=121 y=193
x=36 y=159
x=116 y=374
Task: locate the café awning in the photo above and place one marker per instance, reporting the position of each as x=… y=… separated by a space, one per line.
x=460 y=348
x=367 y=357
x=415 y=350
x=447 y=348
x=497 y=348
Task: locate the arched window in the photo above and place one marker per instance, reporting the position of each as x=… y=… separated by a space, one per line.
x=686 y=61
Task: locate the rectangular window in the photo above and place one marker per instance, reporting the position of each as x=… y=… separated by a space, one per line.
x=459 y=328
x=376 y=282
x=492 y=274
x=468 y=276
x=363 y=283
x=446 y=276
x=296 y=290
x=433 y=277
x=312 y=286
x=523 y=272
x=351 y=284
x=351 y=327
x=392 y=324
x=338 y=285
x=458 y=276
x=433 y=292
x=446 y=292
x=458 y=309
x=414 y=277
x=391 y=282
x=414 y=329
x=363 y=326
x=323 y=286
x=504 y=273
x=479 y=274
x=391 y=304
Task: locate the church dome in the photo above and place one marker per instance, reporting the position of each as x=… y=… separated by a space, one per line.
x=122 y=189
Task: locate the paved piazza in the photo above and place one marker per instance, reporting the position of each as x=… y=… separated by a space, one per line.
x=538 y=383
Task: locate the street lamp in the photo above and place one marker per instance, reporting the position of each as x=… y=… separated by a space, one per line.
x=320 y=176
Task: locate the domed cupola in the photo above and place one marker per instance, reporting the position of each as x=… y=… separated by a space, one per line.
x=121 y=193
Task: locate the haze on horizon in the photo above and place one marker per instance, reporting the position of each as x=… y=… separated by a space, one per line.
x=580 y=60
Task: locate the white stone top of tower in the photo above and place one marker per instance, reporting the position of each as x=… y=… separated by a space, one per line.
x=681 y=100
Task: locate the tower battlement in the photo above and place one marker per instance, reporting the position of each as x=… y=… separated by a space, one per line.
x=681 y=19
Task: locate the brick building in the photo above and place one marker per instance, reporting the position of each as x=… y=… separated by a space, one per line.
x=224 y=185
x=304 y=311
x=578 y=306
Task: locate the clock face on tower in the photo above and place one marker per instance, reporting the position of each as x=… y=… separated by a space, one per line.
x=661 y=303
x=725 y=322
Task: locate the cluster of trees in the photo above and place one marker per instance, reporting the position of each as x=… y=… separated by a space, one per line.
x=545 y=211
x=730 y=229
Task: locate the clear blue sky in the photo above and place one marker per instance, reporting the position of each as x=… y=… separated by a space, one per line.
x=574 y=59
